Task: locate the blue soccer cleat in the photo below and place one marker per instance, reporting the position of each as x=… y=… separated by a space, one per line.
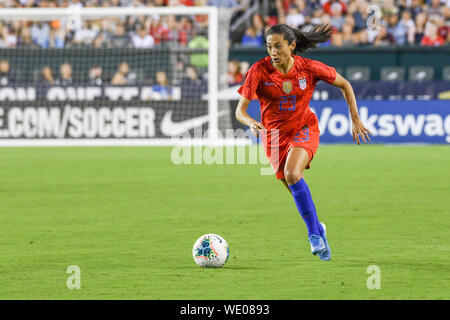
x=326 y=254
x=317 y=244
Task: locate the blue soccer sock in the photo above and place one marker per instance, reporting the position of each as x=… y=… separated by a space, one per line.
x=319 y=225
x=305 y=206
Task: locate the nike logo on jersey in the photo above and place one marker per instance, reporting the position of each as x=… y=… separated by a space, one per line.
x=268 y=84
x=171 y=129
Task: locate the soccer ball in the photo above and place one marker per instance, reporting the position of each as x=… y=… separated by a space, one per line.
x=211 y=251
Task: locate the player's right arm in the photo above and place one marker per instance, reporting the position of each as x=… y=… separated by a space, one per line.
x=243 y=117
x=247 y=92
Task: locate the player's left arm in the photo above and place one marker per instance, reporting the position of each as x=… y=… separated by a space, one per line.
x=349 y=95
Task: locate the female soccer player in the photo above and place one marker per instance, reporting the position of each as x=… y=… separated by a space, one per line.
x=284 y=83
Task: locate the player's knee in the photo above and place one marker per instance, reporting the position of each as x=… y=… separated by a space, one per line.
x=292 y=176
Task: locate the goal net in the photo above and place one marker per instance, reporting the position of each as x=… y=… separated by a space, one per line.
x=114 y=76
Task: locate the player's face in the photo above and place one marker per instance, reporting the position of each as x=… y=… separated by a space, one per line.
x=279 y=49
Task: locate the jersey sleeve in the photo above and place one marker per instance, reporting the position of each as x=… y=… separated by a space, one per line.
x=251 y=83
x=323 y=72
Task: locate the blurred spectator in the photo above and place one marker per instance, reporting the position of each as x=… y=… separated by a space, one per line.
x=40 y=33
x=312 y=6
x=434 y=10
x=199 y=60
x=120 y=39
x=271 y=15
x=443 y=29
x=244 y=66
x=142 y=39
x=161 y=90
x=8 y=38
x=57 y=34
x=120 y=77
x=396 y=30
x=409 y=25
x=316 y=19
x=251 y=39
x=2 y=44
x=295 y=18
x=359 y=13
x=123 y=76
x=160 y=31
x=421 y=19
x=192 y=85
x=65 y=75
x=178 y=72
x=46 y=76
x=337 y=19
x=7 y=75
x=234 y=74
x=98 y=42
x=86 y=34
x=333 y=5
x=184 y=28
x=258 y=24
x=25 y=40
x=350 y=21
x=383 y=37
x=431 y=36
x=346 y=37
x=415 y=8
x=95 y=75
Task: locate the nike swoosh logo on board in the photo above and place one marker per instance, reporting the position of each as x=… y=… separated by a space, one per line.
x=170 y=128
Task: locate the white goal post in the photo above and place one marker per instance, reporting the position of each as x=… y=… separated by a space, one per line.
x=55 y=137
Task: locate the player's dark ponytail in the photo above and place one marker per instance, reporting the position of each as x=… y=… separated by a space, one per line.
x=304 y=40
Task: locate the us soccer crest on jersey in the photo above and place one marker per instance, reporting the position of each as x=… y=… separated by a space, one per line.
x=302 y=83
x=287 y=87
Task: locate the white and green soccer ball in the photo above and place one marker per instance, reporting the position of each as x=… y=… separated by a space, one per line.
x=211 y=251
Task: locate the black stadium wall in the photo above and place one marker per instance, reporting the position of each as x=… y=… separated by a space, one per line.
x=27 y=62
x=373 y=57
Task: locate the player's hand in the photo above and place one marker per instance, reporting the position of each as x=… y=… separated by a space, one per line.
x=359 y=129
x=255 y=128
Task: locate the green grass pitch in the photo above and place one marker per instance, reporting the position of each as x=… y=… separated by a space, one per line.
x=128 y=217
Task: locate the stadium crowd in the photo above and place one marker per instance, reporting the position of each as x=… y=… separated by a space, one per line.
x=356 y=22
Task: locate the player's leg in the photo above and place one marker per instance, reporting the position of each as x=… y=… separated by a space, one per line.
x=297 y=161
x=286 y=185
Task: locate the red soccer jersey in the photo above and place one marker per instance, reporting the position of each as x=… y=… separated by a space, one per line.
x=284 y=98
